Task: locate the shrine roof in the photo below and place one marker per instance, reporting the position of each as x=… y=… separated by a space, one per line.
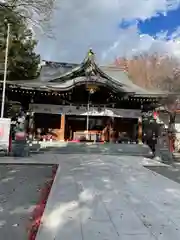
x=53 y=70
x=64 y=76
x=117 y=74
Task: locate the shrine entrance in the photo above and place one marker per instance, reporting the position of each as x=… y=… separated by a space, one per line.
x=98 y=106
x=90 y=112
x=76 y=127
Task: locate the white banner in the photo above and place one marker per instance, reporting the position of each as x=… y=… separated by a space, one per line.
x=5 y=124
x=93 y=111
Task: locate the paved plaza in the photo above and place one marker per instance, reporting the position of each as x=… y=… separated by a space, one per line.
x=107 y=197
x=110 y=197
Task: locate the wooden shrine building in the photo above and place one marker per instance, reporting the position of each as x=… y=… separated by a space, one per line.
x=70 y=99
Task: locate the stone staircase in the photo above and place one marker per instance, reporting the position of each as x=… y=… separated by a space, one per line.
x=176 y=156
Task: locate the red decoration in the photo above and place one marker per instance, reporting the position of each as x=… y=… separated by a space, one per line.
x=39 y=209
x=1 y=132
x=155 y=115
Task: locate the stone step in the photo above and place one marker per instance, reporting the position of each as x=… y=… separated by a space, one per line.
x=176 y=157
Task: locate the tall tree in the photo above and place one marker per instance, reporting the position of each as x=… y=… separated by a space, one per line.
x=153 y=71
x=23 y=62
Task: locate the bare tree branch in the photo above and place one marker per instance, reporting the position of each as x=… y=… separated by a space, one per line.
x=153 y=71
x=36 y=13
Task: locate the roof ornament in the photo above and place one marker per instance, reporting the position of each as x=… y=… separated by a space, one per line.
x=91 y=55
x=89 y=66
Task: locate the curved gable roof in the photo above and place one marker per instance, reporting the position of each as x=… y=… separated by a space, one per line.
x=63 y=76
x=112 y=74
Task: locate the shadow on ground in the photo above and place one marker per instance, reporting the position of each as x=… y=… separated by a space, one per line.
x=170 y=172
x=20 y=187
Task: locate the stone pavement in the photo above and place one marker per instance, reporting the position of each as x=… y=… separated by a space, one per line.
x=103 y=197
x=101 y=194
x=19 y=194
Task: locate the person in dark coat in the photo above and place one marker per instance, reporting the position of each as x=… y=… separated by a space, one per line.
x=151 y=140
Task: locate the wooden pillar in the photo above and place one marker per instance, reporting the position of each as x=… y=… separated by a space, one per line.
x=140 y=130
x=62 y=128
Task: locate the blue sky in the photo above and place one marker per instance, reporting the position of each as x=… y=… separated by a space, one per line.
x=170 y=22
x=113 y=28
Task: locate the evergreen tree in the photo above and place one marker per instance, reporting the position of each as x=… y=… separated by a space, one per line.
x=23 y=62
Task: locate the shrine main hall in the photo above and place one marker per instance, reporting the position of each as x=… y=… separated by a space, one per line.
x=70 y=101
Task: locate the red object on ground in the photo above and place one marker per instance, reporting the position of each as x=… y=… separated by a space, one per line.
x=39 y=209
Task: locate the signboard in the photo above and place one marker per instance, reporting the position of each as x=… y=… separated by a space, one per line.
x=82 y=110
x=5 y=124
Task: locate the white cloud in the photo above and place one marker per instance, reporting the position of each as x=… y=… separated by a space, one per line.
x=131 y=43
x=80 y=24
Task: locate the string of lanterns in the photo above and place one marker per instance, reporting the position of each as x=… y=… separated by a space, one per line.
x=33 y=93
x=45 y=93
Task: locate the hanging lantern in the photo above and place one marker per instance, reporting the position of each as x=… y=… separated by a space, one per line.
x=91 y=88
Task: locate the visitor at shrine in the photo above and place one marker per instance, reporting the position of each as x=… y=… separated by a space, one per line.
x=151 y=141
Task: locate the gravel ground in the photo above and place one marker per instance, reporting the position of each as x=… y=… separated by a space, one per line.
x=170 y=172
x=19 y=194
